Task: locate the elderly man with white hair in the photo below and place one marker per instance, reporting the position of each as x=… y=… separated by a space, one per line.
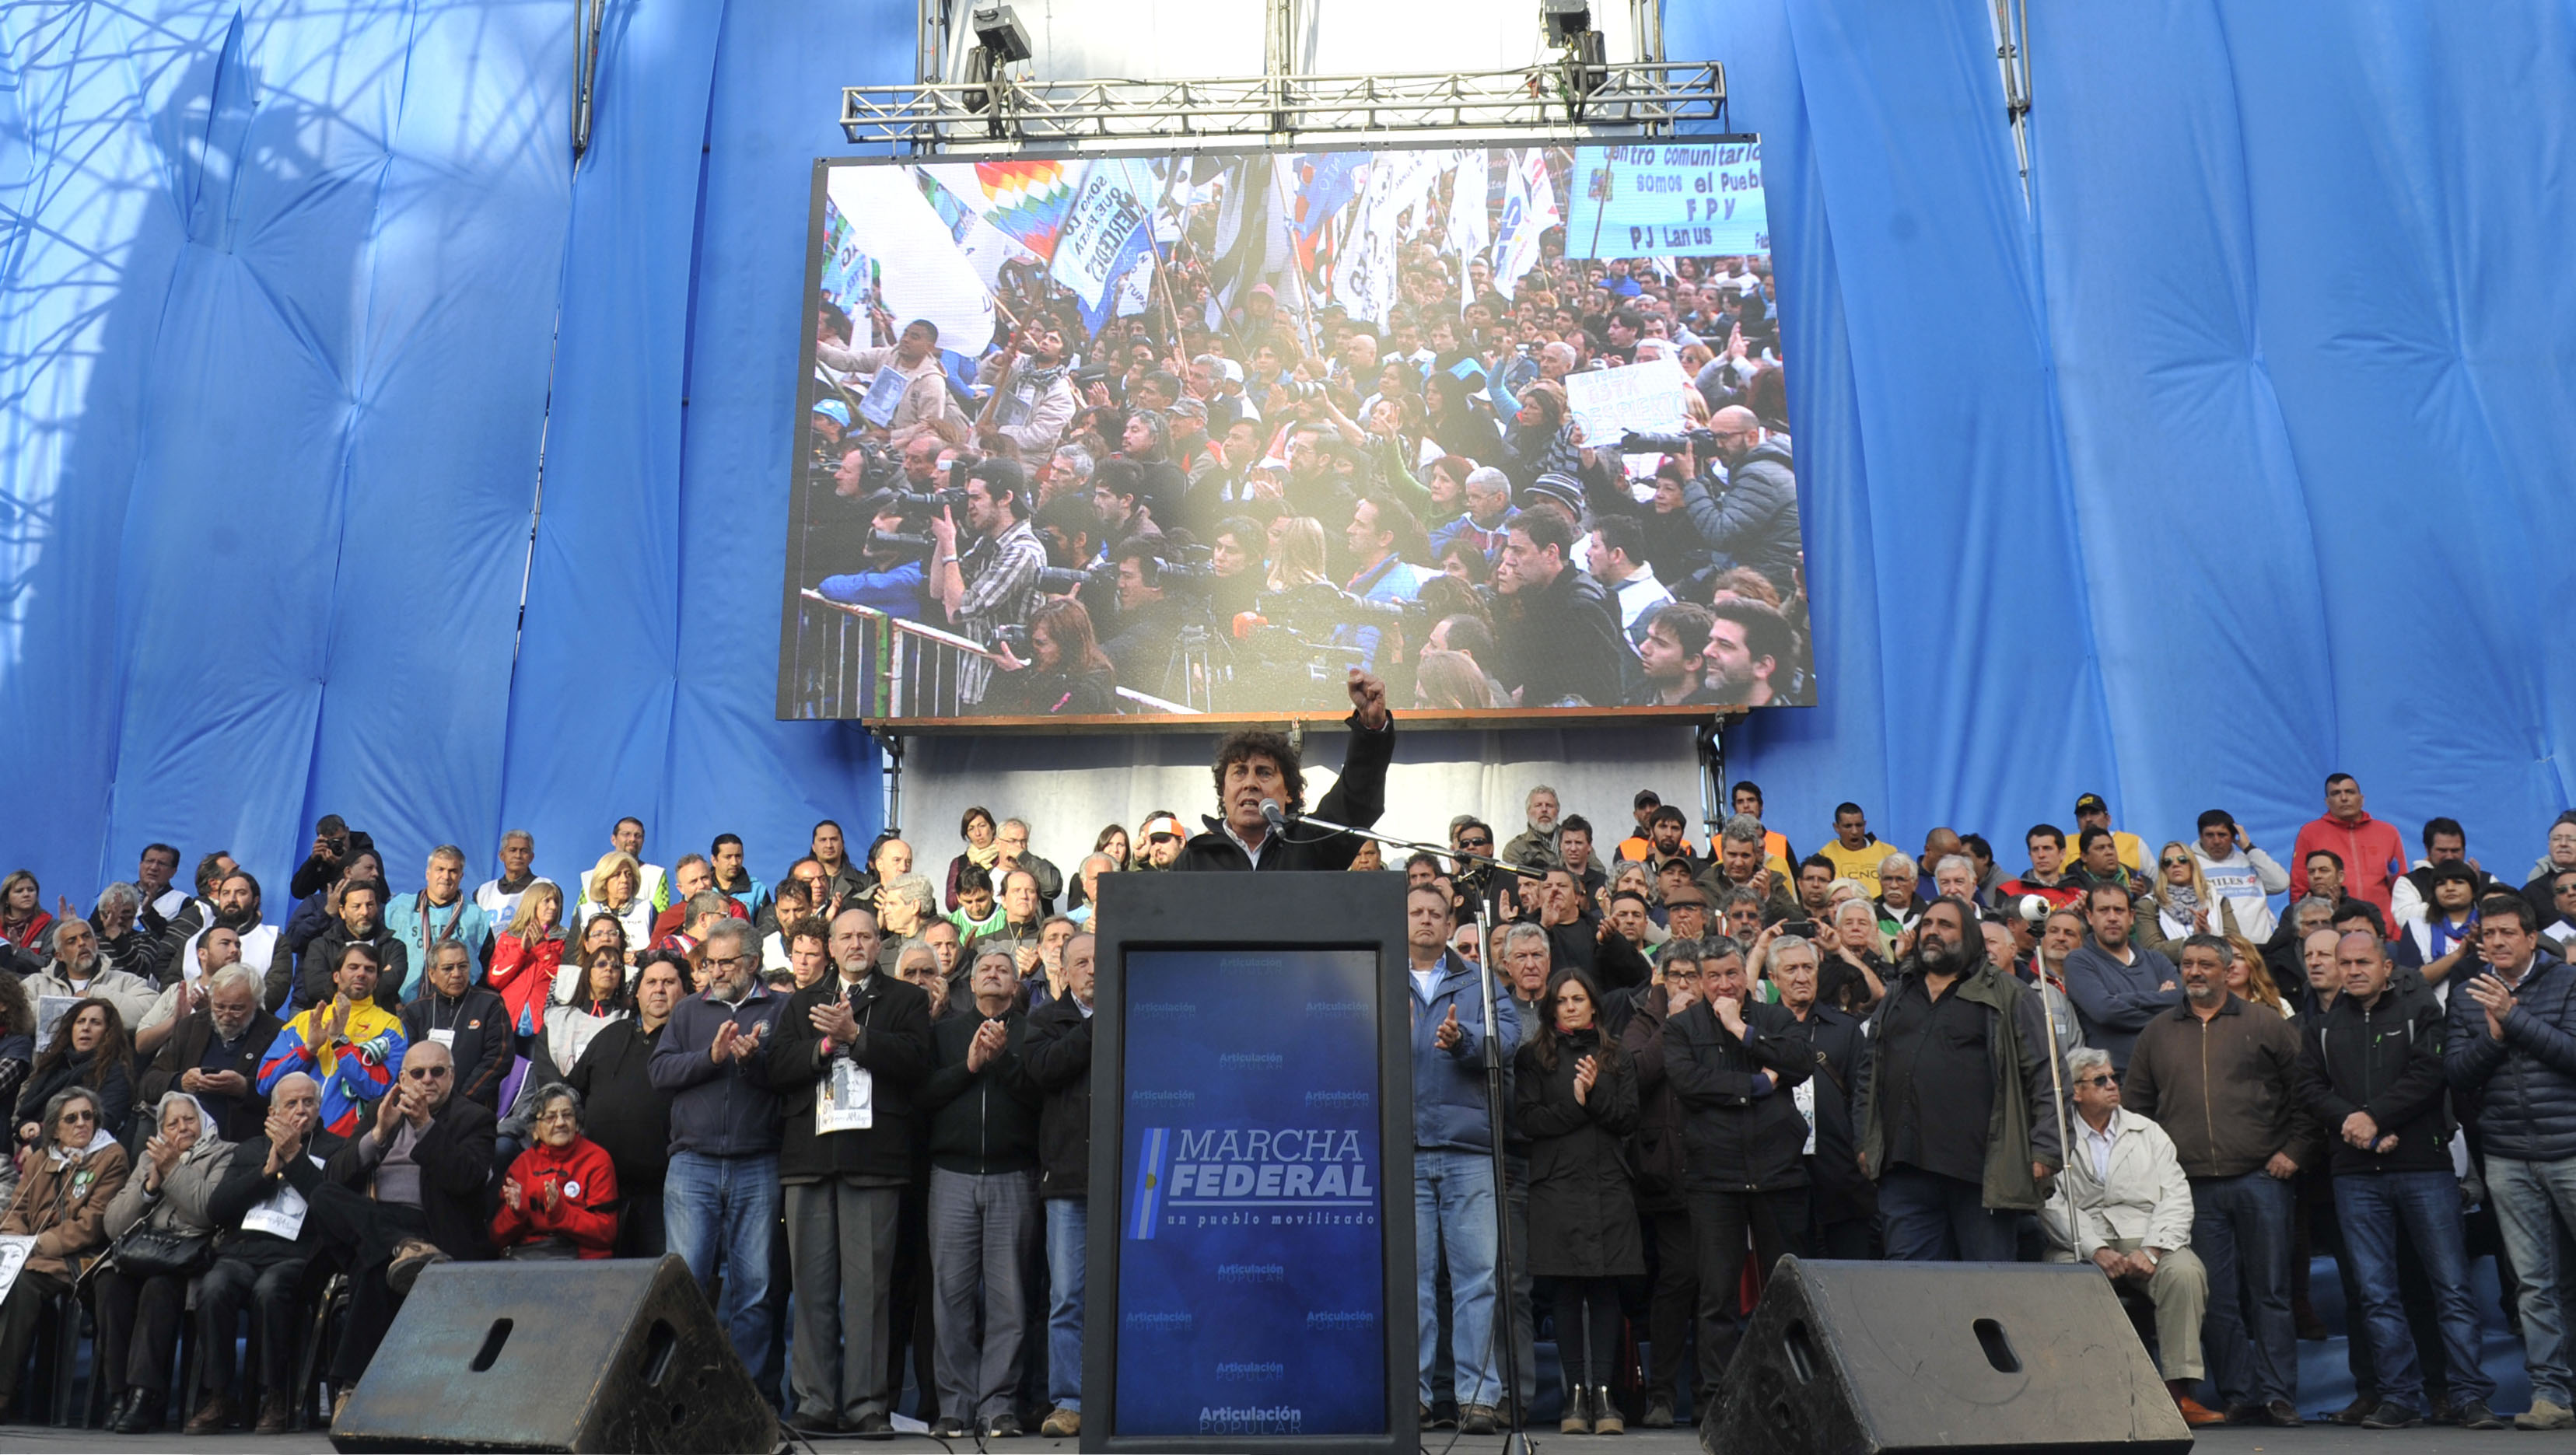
x=78 y=970
x=213 y=1051
x=2124 y=1206
x=262 y=1208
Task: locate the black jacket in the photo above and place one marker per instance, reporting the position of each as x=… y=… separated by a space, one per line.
x=243 y=1187
x=309 y=982
x=2384 y=1059
x=981 y=1122
x=1838 y=1191
x=622 y=1110
x=1357 y=799
x=893 y=1047
x=480 y=1026
x=2519 y=1093
x=1562 y=640
x=1057 y=1057
x=1736 y=1137
x=115 y=1091
x=238 y=1119
x=1582 y=1210
x=1659 y=1107
x=454 y=1154
x=1752 y=520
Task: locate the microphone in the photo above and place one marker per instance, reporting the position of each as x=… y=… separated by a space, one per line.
x=1271 y=815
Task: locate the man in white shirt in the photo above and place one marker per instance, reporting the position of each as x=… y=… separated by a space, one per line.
x=1618 y=561
x=500 y=897
x=2237 y=870
x=654 y=884
x=2124 y=1206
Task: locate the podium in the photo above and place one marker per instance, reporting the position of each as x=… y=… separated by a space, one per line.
x=1249 y=1279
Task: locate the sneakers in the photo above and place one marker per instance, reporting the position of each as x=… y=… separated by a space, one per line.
x=1062 y=1424
x=1004 y=1426
x=1480 y=1419
x=217 y=1412
x=2476 y=1414
x=948 y=1427
x=2392 y=1416
x=2546 y=1414
x=411 y=1255
x=1606 y=1419
x=1659 y=1414
x=1578 y=1411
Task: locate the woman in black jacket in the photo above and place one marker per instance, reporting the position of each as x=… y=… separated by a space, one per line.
x=1069 y=677
x=1577 y=1102
x=89 y=1048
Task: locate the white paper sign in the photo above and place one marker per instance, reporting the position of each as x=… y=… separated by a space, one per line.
x=14 y=1249
x=847 y=1099
x=1804 y=1094
x=282 y=1215
x=1645 y=397
x=50 y=1009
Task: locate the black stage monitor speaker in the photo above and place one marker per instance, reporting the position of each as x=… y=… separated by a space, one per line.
x=583 y=1355
x=1863 y=1358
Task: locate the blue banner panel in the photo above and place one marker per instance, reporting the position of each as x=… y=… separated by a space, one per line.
x=1252 y=1277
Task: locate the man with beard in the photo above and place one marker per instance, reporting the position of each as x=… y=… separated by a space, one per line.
x=1535 y=846
x=1558 y=634
x=1672 y=657
x=1753 y=520
x=1749 y=651
x=360 y=922
x=236 y=906
x=213 y=1053
x=994 y=582
x=1032 y=400
x=1954 y=1097
x=78 y=971
x=1146 y=443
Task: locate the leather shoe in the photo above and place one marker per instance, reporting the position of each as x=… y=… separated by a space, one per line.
x=2282 y=1413
x=276 y=1413
x=2392 y=1416
x=2196 y=1413
x=1659 y=1415
x=2355 y=1412
x=2243 y=1412
x=870 y=1427
x=2476 y=1414
x=216 y=1413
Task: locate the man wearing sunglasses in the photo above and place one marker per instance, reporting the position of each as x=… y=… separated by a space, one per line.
x=2125 y=1207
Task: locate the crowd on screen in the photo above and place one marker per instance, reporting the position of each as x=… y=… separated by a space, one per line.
x=2182 y=1057
x=1316 y=492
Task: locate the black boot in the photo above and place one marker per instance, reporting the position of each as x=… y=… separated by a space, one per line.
x=142 y=1414
x=1577 y=1419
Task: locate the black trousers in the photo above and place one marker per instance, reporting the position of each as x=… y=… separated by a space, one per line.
x=138 y=1329
x=362 y=1233
x=1675 y=1299
x=1722 y=1224
x=30 y=1301
x=266 y=1276
x=910 y=1320
x=1587 y=1329
x=642 y=1231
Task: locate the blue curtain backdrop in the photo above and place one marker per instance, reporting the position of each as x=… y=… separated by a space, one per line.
x=2243 y=456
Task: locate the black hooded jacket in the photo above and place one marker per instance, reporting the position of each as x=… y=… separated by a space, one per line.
x=1357 y=799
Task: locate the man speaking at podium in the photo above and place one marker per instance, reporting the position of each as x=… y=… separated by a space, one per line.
x=1257 y=776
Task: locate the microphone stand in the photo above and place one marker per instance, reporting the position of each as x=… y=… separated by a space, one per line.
x=1507 y=1315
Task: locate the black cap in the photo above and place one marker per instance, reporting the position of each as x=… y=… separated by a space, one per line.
x=2091 y=803
x=1647 y=798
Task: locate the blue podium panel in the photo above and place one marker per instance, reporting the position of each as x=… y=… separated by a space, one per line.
x=1252 y=1206
x=1250 y=1270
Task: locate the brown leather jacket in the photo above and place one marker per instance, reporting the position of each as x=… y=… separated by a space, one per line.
x=65 y=1206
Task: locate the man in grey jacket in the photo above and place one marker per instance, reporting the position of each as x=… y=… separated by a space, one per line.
x=2117 y=986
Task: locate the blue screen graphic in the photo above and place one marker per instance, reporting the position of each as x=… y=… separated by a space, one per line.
x=1252 y=1266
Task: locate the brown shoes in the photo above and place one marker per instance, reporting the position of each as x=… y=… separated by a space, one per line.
x=276 y=1413
x=211 y=1417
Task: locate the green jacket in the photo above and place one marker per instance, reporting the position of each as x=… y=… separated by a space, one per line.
x=2021 y=1128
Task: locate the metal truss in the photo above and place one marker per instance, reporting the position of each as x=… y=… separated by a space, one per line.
x=1645 y=98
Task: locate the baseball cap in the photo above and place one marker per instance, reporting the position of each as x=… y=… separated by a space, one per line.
x=1161 y=824
x=1646 y=798
x=2091 y=803
x=834 y=410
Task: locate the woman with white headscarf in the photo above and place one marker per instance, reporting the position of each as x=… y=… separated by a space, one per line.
x=154 y=1222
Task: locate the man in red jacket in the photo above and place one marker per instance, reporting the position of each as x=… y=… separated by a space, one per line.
x=2372 y=853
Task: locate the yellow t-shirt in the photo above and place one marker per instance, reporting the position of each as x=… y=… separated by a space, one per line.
x=1861 y=863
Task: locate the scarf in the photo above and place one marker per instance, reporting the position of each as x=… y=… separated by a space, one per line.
x=987 y=856
x=2184 y=899
x=2444 y=936
x=1029 y=384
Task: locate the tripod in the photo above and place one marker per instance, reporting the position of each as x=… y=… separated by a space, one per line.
x=1504 y=1312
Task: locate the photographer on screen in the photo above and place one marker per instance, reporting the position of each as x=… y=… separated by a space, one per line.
x=891 y=566
x=1067 y=675
x=994 y=582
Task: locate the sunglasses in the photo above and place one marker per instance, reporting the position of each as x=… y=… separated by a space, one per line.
x=426 y=1073
x=2096 y=1081
x=2175 y=863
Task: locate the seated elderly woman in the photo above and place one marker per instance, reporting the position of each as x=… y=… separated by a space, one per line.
x=67 y=1177
x=162 y=1230
x=560 y=1198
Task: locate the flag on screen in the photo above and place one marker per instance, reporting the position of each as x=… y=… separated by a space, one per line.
x=1147 y=1198
x=1106 y=231
x=1470 y=214
x=1327 y=183
x=919 y=271
x=1529 y=209
x=1028 y=200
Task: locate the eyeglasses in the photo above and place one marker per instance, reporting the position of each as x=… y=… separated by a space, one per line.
x=80 y=1116
x=427 y=1073
x=559 y=1114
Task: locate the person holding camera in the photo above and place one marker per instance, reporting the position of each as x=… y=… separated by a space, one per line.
x=995 y=582
x=1067 y=675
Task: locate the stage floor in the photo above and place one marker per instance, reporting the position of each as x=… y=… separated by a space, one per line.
x=2315 y=1437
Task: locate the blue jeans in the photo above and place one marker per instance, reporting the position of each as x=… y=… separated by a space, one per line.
x=728 y=1204
x=2532 y=1199
x=2240 y=1227
x=1453 y=1209
x=2368 y=1208
x=1067 y=1225
x=1925 y=1217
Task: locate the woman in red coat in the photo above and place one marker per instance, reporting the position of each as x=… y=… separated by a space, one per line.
x=527 y=954
x=560 y=1200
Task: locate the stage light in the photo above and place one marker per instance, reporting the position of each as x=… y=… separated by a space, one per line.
x=999 y=32
x=1565 y=19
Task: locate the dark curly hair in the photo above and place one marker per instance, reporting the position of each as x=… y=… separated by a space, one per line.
x=1250 y=743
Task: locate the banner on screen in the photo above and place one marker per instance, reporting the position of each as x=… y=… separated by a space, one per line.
x=1184 y=440
x=1251 y=1276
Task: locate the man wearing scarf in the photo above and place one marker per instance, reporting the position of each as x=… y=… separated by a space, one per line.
x=1031 y=400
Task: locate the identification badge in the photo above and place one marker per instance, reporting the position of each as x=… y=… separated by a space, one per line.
x=445 y=1038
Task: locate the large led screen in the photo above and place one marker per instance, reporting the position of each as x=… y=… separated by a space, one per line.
x=1181 y=440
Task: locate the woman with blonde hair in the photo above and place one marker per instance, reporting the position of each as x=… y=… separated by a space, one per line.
x=1297 y=554
x=2182 y=898
x=526 y=956
x=2249 y=978
x=616 y=887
